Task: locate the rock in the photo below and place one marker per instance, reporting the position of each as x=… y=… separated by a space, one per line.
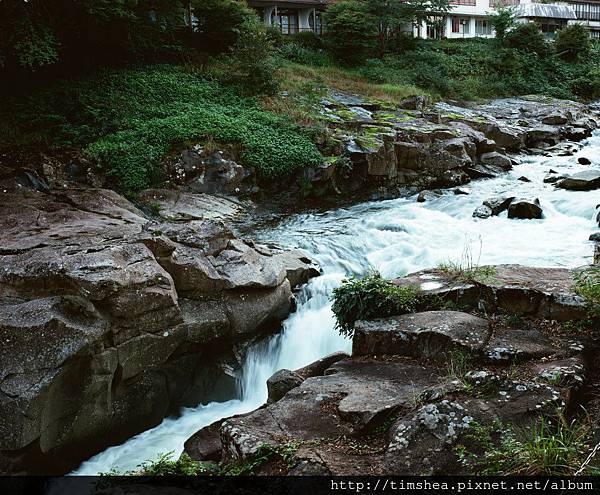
x=427 y=196
x=555 y=119
x=584 y=161
x=498 y=204
x=462 y=191
x=175 y=206
x=524 y=179
x=495 y=159
x=422 y=442
x=482 y=211
x=595 y=237
x=319 y=367
x=281 y=382
x=542 y=292
x=552 y=178
x=431 y=334
x=354 y=396
x=110 y=321
x=483 y=171
x=515 y=345
x=205 y=444
x=542 y=135
x=418 y=102
x=582 y=181
x=525 y=209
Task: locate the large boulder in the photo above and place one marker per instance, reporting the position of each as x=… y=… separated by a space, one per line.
x=495 y=159
x=582 y=181
x=281 y=382
x=111 y=320
x=525 y=209
x=431 y=334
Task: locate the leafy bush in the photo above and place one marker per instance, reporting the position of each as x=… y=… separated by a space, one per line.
x=587 y=285
x=573 y=42
x=164 y=466
x=528 y=37
x=308 y=39
x=251 y=66
x=588 y=85
x=502 y=20
x=370 y=297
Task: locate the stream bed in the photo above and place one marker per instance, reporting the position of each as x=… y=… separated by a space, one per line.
x=394 y=237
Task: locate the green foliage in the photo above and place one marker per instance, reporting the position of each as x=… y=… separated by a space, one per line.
x=370 y=297
x=502 y=20
x=130 y=119
x=285 y=453
x=587 y=285
x=251 y=66
x=573 y=42
x=164 y=466
x=308 y=39
x=221 y=23
x=587 y=86
x=350 y=30
x=484 y=68
x=553 y=448
x=468 y=274
x=528 y=37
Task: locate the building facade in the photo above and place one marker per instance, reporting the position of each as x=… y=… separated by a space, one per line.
x=467 y=19
x=293 y=16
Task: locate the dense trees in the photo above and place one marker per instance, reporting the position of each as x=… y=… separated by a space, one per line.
x=358 y=27
x=573 y=42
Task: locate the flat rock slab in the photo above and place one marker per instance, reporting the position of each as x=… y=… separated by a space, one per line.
x=583 y=181
x=428 y=334
x=543 y=292
x=354 y=396
x=513 y=345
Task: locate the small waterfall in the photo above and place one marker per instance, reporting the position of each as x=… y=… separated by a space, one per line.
x=395 y=237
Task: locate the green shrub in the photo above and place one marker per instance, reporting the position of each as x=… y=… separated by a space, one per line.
x=588 y=85
x=165 y=466
x=587 y=285
x=502 y=20
x=370 y=297
x=308 y=39
x=573 y=42
x=528 y=37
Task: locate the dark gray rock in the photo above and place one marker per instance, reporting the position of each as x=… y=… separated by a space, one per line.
x=525 y=209
x=432 y=334
x=495 y=159
x=281 y=382
x=584 y=161
x=498 y=204
x=582 y=181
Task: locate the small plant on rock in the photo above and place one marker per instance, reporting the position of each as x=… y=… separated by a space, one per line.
x=370 y=297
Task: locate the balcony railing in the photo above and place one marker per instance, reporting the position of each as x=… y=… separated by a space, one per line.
x=470 y=3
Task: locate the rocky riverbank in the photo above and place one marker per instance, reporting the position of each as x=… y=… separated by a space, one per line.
x=112 y=318
x=423 y=391
x=114 y=314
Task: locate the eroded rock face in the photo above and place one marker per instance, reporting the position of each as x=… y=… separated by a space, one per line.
x=111 y=319
x=582 y=181
x=431 y=334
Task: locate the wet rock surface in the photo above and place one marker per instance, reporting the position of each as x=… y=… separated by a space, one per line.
x=112 y=318
x=417 y=386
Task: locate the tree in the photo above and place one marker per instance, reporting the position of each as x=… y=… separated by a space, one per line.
x=221 y=23
x=503 y=20
x=361 y=25
x=351 y=30
x=573 y=42
x=528 y=38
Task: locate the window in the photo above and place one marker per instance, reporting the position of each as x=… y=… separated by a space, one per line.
x=316 y=22
x=471 y=3
x=286 y=21
x=466 y=25
x=587 y=11
x=455 y=25
x=483 y=28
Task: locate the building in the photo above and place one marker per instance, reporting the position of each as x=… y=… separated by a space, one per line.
x=292 y=16
x=467 y=19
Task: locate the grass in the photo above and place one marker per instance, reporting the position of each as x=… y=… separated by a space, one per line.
x=554 y=447
x=587 y=285
x=128 y=120
x=470 y=274
x=370 y=297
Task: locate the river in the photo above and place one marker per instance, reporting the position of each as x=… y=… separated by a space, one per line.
x=394 y=237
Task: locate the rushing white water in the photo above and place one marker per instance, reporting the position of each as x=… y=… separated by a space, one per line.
x=395 y=237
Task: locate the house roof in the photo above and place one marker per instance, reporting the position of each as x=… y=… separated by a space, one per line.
x=298 y=3
x=545 y=10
